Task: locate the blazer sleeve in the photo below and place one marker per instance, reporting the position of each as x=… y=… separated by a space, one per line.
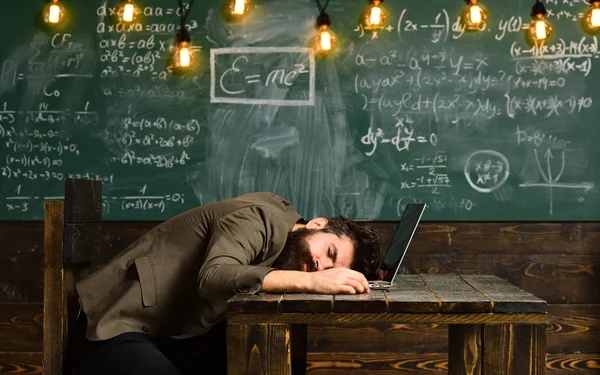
x=237 y=241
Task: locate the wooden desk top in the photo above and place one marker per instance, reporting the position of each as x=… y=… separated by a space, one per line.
x=422 y=294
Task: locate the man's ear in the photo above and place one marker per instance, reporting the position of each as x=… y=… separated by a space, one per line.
x=317 y=223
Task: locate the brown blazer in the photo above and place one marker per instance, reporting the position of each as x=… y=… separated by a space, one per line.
x=176 y=279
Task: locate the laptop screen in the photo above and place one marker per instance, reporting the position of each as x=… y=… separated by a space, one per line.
x=399 y=244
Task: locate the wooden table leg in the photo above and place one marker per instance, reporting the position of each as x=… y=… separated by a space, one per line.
x=464 y=349
x=299 y=339
x=258 y=349
x=514 y=349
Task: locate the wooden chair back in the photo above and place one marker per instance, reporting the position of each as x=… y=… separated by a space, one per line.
x=72 y=243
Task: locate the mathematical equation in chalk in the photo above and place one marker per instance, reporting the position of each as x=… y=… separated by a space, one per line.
x=138 y=202
x=137 y=91
x=45 y=175
x=426 y=172
x=541 y=139
x=161 y=123
x=426 y=68
x=443 y=25
x=167 y=161
x=404 y=136
x=149 y=12
x=455 y=105
x=44 y=114
x=138 y=49
x=43 y=147
x=131 y=138
x=486 y=170
x=238 y=76
x=437 y=203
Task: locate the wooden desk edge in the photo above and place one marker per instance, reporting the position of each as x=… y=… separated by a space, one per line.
x=350 y=318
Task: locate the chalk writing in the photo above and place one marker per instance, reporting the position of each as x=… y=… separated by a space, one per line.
x=402 y=113
x=141 y=202
x=427 y=172
x=553 y=182
x=404 y=136
x=159 y=161
x=448 y=91
x=486 y=170
x=437 y=204
x=545 y=146
x=45 y=135
x=243 y=80
x=539 y=138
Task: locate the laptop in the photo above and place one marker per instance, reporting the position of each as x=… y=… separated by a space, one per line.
x=389 y=265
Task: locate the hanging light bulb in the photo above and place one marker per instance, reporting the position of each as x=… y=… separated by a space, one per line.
x=592 y=17
x=236 y=10
x=325 y=40
x=374 y=16
x=183 y=57
x=326 y=37
x=128 y=11
x=475 y=16
x=540 y=29
x=239 y=7
x=54 y=13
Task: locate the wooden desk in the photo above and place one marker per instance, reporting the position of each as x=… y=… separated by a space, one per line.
x=494 y=327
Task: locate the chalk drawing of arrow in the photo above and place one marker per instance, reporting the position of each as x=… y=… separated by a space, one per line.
x=549 y=156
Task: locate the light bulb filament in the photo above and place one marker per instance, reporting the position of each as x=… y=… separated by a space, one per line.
x=54 y=13
x=128 y=12
x=475 y=14
x=595 y=17
x=185 y=57
x=540 y=30
x=239 y=7
x=375 y=16
x=325 y=40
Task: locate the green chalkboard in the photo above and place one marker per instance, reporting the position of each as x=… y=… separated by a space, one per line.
x=479 y=125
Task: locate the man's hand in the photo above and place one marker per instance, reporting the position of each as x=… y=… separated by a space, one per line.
x=338 y=281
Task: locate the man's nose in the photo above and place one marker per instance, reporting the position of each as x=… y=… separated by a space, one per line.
x=325 y=263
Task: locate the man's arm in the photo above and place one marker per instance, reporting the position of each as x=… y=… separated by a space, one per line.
x=331 y=281
x=237 y=240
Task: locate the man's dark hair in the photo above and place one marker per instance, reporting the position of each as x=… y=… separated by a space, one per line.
x=366 y=242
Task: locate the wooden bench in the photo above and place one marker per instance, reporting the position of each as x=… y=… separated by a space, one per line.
x=494 y=327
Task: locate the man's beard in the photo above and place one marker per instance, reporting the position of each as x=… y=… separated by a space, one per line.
x=296 y=252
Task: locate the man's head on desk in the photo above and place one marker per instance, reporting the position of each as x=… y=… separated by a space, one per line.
x=325 y=243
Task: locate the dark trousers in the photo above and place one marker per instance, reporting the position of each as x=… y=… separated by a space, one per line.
x=137 y=353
